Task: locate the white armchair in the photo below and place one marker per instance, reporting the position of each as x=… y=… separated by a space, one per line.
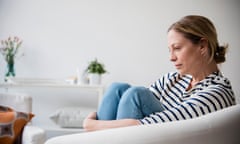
x=23 y=103
x=221 y=127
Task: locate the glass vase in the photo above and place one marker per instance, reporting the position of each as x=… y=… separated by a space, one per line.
x=10 y=71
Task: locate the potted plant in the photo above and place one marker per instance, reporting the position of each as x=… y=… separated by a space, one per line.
x=95 y=70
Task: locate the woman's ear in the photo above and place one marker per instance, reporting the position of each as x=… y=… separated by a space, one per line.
x=203 y=46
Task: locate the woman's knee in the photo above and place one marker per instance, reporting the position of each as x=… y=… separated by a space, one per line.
x=135 y=93
x=119 y=88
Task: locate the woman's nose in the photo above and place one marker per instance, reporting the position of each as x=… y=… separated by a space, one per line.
x=172 y=56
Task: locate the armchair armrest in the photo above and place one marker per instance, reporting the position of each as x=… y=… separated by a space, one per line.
x=219 y=127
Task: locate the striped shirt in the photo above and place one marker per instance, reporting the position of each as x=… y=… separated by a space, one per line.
x=211 y=94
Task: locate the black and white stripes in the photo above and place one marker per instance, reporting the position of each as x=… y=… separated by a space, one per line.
x=209 y=95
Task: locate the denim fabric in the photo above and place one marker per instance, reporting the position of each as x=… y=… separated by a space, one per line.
x=122 y=101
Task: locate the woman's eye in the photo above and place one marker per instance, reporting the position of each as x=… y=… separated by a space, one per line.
x=174 y=49
x=177 y=48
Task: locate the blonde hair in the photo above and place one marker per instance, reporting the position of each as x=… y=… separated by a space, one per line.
x=194 y=28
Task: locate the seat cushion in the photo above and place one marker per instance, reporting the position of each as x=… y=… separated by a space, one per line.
x=11 y=124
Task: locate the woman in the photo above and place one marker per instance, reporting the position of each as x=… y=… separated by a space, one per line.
x=196 y=89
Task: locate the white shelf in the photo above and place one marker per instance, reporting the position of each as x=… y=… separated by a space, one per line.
x=44 y=83
x=38 y=82
x=66 y=85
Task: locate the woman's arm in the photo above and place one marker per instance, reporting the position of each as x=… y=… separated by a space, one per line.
x=208 y=100
x=91 y=124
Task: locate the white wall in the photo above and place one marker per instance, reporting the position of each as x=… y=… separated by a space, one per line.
x=129 y=36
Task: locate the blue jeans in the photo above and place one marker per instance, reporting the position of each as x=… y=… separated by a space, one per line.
x=122 y=101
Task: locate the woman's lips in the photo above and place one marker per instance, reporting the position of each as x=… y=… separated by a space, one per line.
x=178 y=66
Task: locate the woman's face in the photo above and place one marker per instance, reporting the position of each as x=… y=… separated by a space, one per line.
x=185 y=55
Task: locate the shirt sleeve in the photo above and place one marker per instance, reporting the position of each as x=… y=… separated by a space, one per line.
x=206 y=101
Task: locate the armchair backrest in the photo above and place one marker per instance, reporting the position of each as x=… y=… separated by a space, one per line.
x=18 y=101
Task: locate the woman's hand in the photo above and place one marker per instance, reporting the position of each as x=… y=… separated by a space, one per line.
x=90 y=121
